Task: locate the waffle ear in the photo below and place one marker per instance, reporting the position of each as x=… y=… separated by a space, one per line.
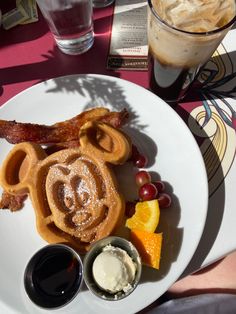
x=108 y=143
x=15 y=175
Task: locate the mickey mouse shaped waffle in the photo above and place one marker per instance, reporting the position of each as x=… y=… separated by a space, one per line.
x=73 y=191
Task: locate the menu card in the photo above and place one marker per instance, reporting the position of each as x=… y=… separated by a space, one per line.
x=128 y=44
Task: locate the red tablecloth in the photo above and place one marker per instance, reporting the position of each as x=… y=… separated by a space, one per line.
x=28 y=55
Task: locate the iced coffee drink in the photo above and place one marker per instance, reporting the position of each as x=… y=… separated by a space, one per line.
x=182 y=36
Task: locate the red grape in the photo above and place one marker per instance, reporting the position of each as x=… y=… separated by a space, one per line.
x=142 y=177
x=147 y=192
x=160 y=185
x=134 y=153
x=130 y=209
x=140 y=161
x=164 y=200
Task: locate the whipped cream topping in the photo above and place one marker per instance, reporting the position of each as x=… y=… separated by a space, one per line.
x=196 y=15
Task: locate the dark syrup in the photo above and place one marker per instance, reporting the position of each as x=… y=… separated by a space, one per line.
x=55 y=277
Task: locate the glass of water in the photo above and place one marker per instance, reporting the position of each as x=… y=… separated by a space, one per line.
x=71 y=23
x=102 y=3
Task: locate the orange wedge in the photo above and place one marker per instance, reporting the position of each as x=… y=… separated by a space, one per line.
x=148 y=245
x=146 y=216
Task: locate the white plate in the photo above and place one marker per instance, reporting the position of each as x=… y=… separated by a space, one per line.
x=173 y=153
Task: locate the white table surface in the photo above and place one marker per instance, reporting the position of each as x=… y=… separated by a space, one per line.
x=218 y=238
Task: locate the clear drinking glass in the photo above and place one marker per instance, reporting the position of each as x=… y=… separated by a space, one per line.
x=176 y=56
x=71 y=23
x=102 y=3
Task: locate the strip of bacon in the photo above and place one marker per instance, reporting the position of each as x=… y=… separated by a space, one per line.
x=66 y=131
x=12 y=202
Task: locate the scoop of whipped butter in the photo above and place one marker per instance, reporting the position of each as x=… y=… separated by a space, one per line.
x=114 y=270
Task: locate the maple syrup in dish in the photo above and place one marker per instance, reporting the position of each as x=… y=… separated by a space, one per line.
x=53 y=276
